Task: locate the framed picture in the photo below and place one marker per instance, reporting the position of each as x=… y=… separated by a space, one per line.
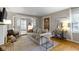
x=46 y=23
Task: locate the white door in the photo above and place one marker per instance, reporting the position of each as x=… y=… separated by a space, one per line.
x=23 y=26
x=17 y=24
x=20 y=25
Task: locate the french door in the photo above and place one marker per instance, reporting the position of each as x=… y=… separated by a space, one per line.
x=20 y=25
x=23 y=26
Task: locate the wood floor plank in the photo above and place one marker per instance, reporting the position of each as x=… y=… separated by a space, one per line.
x=64 y=45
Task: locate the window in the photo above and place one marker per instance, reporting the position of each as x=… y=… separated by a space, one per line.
x=31 y=24
x=75 y=23
x=24 y=24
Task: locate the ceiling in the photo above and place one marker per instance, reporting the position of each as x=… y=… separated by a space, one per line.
x=35 y=11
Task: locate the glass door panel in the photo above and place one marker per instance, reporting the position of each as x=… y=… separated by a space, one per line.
x=17 y=24
x=23 y=27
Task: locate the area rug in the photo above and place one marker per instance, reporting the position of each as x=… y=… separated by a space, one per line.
x=43 y=47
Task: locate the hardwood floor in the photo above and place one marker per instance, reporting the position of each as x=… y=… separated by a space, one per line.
x=64 y=45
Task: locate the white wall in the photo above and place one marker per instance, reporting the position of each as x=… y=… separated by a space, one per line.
x=11 y=16
x=55 y=16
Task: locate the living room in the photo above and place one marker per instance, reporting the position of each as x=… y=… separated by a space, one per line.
x=31 y=28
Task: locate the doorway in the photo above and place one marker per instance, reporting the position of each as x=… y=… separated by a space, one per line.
x=23 y=26
x=20 y=25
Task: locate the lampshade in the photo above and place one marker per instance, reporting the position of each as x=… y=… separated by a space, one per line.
x=7 y=21
x=65 y=25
